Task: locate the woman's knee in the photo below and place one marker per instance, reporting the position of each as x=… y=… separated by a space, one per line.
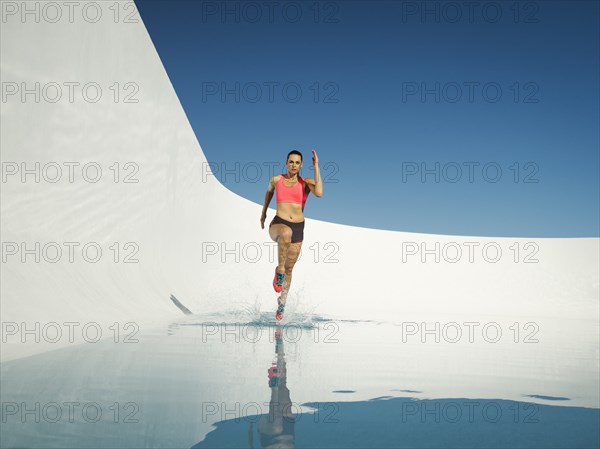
x=293 y=252
x=285 y=235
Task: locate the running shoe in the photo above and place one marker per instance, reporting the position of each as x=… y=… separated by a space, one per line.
x=278 y=334
x=278 y=280
x=280 y=310
x=273 y=375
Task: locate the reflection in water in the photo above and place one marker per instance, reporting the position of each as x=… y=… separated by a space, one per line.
x=276 y=430
x=386 y=421
x=186 y=386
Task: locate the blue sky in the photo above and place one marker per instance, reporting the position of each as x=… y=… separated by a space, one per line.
x=384 y=90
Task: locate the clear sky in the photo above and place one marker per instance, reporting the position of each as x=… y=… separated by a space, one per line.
x=468 y=118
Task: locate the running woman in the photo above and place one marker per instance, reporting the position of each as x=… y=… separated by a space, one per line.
x=287 y=227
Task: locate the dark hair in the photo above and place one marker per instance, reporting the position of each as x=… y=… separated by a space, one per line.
x=293 y=152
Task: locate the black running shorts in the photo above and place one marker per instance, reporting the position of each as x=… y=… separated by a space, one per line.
x=297 y=228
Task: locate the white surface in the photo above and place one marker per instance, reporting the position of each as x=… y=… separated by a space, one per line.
x=171 y=212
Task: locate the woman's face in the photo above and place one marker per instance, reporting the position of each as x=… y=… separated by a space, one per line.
x=294 y=163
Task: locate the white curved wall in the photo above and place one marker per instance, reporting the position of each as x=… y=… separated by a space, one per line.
x=172 y=211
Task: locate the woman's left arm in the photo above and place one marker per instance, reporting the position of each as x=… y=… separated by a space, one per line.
x=316 y=185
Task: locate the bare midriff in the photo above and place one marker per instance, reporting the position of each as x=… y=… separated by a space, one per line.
x=291 y=212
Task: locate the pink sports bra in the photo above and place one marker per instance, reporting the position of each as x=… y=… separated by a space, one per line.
x=294 y=194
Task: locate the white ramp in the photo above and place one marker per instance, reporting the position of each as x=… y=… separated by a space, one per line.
x=175 y=215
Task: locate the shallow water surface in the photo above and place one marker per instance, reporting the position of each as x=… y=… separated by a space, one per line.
x=247 y=381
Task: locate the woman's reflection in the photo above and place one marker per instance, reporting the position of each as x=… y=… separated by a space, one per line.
x=277 y=429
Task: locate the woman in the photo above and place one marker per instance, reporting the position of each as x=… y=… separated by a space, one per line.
x=287 y=227
x=277 y=428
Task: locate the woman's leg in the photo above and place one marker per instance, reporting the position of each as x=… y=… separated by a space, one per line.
x=291 y=259
x=282 y=234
